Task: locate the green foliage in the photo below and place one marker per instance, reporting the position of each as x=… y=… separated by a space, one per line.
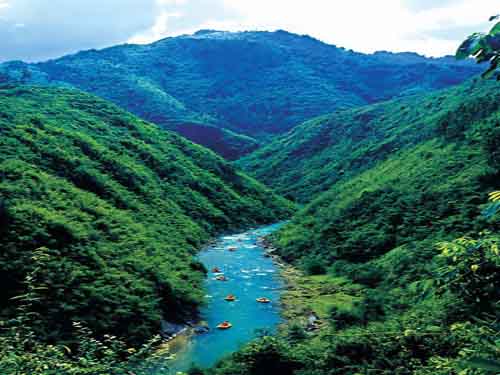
x=405 y=233
x=483 y=47
x=225 y=90
x=428 y=189
x=409 y=197
x=295 y=333
x=492 y=145
x=265 y=356
x=472 y=271
x=332 y=149
x=313 y=265
x=121 y=208
x=23 y=353
x=368 y=309
x=107 y=356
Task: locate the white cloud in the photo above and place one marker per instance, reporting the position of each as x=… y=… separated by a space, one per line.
x=40 y=29
x=175 y=17
x=4 y=4
x=431 y=27
x=368 y=25
x=158 y=30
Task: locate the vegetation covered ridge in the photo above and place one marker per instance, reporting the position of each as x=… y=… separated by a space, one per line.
x=118 y=208
x=332 y=149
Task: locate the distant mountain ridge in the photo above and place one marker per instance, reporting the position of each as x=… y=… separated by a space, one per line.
x=233 y=91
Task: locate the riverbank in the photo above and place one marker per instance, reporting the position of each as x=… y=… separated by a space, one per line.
x=307 y=300
x=303 y=300
x=300 y=299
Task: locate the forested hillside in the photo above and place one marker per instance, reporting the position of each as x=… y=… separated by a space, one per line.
x=115 y=209
x=232 y=91
x=401 y=255
x=334 y=148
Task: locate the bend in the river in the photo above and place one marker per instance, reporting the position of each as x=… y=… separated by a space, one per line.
x=250 y=274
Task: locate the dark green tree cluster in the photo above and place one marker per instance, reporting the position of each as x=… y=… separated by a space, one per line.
x=334 y=149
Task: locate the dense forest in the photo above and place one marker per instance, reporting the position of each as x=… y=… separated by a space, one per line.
x=232 y=91
x=102 y=214
x=334 y=148
x=400 y=257
x=386 y=166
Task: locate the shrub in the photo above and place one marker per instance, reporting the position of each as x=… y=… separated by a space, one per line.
x=314 y=265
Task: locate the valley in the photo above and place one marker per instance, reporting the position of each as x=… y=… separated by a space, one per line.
x=117 y=207
x=291 y=206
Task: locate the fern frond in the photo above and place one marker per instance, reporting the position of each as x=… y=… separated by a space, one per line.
x=494 y=196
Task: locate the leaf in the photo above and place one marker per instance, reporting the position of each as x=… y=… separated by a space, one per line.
x=491 y=70
x=483 y=364
x=495 y=29
x=471 y=46
x=493 y=18
x=494 y=196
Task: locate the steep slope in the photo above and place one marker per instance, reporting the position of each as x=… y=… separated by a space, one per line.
x=111 y=209
x=253 y=83
x=401 y=259
x=408 y=180
x=316 y=155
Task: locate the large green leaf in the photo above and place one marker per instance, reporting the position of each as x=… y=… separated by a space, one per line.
x=495 y=29
x=492 y=69
x=472 y=45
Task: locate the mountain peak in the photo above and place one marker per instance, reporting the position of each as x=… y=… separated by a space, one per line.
x=207 y=31
x=215 y=34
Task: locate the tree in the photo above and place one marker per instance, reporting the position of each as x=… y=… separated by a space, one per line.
x=484 y=47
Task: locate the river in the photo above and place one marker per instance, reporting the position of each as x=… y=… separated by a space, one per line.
x=250 y=275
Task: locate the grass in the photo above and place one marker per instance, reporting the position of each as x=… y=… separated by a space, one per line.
x=319 y=294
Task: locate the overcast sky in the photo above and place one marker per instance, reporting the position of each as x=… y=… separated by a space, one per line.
x=36 y=30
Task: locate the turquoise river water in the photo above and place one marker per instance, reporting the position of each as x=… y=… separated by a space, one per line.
x=250 y=275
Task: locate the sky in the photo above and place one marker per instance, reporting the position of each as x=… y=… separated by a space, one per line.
x=36 y=30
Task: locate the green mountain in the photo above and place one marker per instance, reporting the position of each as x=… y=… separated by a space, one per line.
x=383 y=175
x=332 y=149
x=401 y=250
x=105 y=211
x=231 y=91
